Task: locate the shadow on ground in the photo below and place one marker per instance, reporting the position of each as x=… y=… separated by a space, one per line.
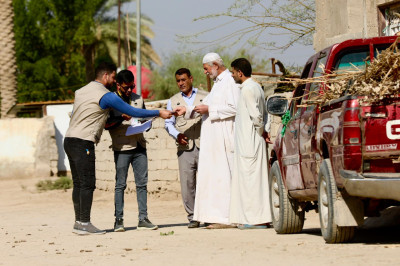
x=384 y=229
x=159 y=226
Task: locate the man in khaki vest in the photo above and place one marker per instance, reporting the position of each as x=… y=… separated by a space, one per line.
x=128 y=150
x=187 y=136
x=91 y=107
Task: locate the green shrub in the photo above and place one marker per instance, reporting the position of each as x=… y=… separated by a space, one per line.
x=61 y=183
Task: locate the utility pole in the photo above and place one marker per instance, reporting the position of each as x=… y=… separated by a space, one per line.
x=128 y=41
x=119 y=33
x=138 y=40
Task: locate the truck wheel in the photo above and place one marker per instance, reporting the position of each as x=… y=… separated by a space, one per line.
x=287 y=217
x=327 y=191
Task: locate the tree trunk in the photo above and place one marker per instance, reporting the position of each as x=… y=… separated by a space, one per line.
x=8 y=66
x=88 y=54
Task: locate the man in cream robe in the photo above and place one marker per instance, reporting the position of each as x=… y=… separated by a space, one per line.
x=249 y=194
x=216 y=146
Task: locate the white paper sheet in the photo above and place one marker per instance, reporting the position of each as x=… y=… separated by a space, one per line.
x=137 y=128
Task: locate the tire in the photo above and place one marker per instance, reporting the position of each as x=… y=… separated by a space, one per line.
x=327 y=191
x=287 y=217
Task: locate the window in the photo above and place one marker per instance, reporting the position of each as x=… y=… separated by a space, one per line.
x=380 y=48
x=352 y=59
x=298 y=93
x=389 y=23
x=318 y=71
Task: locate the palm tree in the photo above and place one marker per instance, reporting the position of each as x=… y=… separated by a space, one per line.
x=106 y=37
x=109 y=32
x=8 y=83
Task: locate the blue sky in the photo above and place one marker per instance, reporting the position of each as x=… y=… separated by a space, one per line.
x=175 y=17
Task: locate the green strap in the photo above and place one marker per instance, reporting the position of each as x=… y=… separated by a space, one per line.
x=285 y=120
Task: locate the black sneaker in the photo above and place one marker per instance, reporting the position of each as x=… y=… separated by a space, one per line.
x=119 y=225
x=77 y=226
x=146 y=225
x=194 y=224
x=89 y=229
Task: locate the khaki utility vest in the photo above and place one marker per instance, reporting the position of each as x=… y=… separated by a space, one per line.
x=88 y=119
x=120 y=142
x=191 y=128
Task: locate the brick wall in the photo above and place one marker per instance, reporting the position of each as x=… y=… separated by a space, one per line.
x=162 y=160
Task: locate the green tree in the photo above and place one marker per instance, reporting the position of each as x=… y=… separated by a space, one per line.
x=163 y=79
x=46 y=59
x=49 y=57
x=58 y=44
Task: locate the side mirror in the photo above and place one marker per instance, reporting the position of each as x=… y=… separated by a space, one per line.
x=277 y=105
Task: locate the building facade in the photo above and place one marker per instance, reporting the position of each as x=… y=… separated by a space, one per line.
x=340 y=20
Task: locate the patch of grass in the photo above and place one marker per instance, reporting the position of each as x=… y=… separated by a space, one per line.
x=61 y=183
x=170 y=233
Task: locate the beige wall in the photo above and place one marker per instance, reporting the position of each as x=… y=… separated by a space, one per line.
x=340 y=20
x=28 y=148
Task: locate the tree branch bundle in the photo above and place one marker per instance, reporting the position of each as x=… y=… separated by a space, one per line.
x=379 y=80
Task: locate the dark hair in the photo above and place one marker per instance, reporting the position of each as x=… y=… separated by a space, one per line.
x=104 y=67
x=243 y=65
x=182 y=71
x=124 y=76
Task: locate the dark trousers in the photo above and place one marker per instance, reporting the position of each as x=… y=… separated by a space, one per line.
x=81 y=158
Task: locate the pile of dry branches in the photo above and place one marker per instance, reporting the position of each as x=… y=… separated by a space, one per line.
x=380 y=79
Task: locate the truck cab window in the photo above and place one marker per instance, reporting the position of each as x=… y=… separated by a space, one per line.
x=351 y=60
x=380 y=48
x=297 y=97
x=314 y=87
x=298 y=93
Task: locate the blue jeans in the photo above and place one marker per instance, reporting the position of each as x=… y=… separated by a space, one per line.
x=138 y=159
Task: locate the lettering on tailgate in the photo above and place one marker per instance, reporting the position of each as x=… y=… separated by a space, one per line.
x=381 y=147
x=393 y=129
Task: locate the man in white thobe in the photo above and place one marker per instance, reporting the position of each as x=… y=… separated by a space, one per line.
x=217 y=145
x=249 y=194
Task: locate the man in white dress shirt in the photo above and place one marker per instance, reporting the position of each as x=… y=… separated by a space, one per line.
x=216 y=146
x=249 y=194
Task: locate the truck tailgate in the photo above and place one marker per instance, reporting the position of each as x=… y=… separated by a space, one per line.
x=381 y=136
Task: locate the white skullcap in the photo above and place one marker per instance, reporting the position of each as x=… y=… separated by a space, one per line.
x=211 y=57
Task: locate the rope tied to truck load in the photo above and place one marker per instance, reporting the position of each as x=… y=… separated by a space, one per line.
x=285 y=120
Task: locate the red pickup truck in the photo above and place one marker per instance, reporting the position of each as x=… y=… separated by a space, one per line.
x=342 y=158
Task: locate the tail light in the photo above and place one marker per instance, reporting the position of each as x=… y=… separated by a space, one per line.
x=352 y=136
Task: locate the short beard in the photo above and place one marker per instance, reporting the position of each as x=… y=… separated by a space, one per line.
x=109 y=85
x=214 y=73
x=237 y=80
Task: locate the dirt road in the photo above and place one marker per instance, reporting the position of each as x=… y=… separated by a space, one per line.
x=36 y=229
